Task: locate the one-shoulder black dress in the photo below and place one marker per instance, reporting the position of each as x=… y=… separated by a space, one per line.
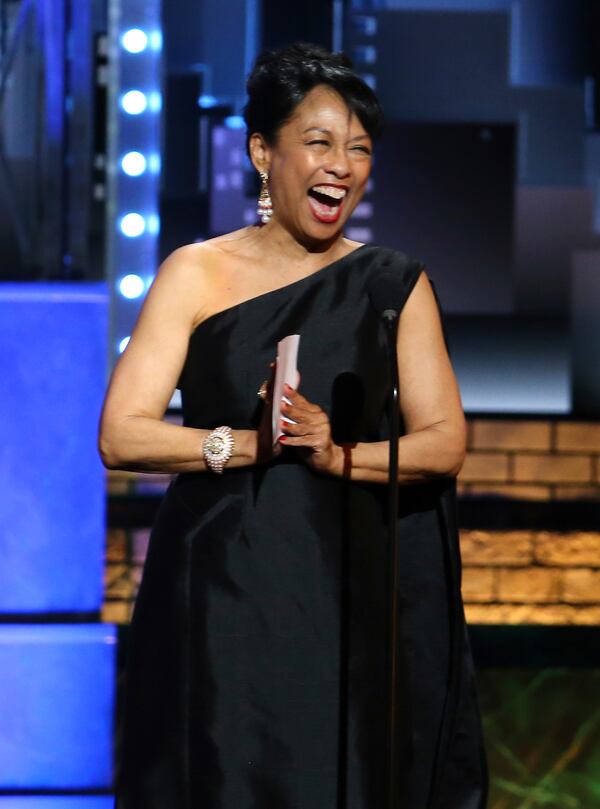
x=256 y=671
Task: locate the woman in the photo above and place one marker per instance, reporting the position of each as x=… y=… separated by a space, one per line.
x=256 y=665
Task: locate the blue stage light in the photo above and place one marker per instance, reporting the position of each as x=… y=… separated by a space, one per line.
x=134 y=164
x=134 y=40
x=123 y=344
x=133 y=225
x=134 y=102
x=207 y=101
x=234 y=122
x=131 y=286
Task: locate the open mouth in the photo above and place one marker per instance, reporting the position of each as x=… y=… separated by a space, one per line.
x=326 y=202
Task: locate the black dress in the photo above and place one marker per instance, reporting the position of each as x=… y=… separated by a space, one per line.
x=256 y=675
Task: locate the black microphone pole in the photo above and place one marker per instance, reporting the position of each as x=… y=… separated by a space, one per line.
x=387 y=294
x=390 y=320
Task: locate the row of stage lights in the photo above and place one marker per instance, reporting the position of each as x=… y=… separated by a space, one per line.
x=135 y=164
x=134 y=102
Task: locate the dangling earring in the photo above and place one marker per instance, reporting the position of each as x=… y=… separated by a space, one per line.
x=265 y=206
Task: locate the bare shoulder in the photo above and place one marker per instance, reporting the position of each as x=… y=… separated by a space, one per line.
x=193 y=277
x=191 y=267
x=188 y=263
x=200 y=260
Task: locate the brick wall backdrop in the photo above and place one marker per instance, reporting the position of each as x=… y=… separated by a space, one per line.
x=533 y=460
x=532 y=576
x=522 y=575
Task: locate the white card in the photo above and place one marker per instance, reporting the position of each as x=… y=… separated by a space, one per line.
x=286 y=372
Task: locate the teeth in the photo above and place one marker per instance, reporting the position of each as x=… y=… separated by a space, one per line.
x=330 y=191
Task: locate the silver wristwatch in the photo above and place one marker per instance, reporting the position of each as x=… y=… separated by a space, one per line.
x=217 y=448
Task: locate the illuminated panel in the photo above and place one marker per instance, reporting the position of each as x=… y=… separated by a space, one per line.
x=498 y=367
x=53 y=361
x=56 y=704
x=229 y=205
x=134 y=159
x=57 y=802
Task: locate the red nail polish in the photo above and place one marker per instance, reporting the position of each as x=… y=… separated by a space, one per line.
x=283 y=437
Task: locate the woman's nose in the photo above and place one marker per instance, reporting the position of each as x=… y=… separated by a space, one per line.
x=338 y=163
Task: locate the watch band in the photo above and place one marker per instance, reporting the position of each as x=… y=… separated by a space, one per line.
x=217 y=448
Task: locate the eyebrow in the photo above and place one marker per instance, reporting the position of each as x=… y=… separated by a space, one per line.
x=328 y=132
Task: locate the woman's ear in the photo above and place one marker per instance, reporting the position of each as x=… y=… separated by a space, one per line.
x=259 y=152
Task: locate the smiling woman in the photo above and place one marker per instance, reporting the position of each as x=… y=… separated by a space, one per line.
x=323 y=155
x=329 y=113
x=257 y=655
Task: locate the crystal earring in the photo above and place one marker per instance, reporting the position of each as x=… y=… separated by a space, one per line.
x=265 y=206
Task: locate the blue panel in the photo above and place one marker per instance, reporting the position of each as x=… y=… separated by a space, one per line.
x=546 y=41
x=56 y=706
x=53 y=361
x=58 y=802
x=432 y=5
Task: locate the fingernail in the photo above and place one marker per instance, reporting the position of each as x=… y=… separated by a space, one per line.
x=283 y=437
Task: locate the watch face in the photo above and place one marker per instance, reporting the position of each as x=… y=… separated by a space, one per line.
x=215 y=446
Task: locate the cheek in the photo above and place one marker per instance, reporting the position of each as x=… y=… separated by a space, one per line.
x=292 y=180
x=363 y=180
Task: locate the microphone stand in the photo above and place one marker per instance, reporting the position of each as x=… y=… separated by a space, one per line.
x=390 y=319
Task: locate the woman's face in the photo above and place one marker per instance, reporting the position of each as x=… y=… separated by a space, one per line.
x=319 y=167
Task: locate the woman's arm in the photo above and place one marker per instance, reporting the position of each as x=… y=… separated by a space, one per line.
x=435 y=440
x=132 y=434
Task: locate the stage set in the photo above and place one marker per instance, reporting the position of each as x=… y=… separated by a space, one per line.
x=121 y=138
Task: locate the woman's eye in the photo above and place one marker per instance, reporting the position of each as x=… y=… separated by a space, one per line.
x=362 y=149
x=310 y=142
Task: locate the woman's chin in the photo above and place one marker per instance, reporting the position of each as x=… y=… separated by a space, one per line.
x=311 y=231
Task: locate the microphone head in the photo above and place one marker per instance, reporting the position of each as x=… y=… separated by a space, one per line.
x=386 y=292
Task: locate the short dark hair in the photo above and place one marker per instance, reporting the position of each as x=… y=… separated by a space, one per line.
x=280 y=79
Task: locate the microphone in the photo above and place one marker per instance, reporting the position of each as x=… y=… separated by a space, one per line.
x=385 y=293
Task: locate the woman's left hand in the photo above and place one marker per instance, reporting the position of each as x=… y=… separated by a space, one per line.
x=311 y=433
